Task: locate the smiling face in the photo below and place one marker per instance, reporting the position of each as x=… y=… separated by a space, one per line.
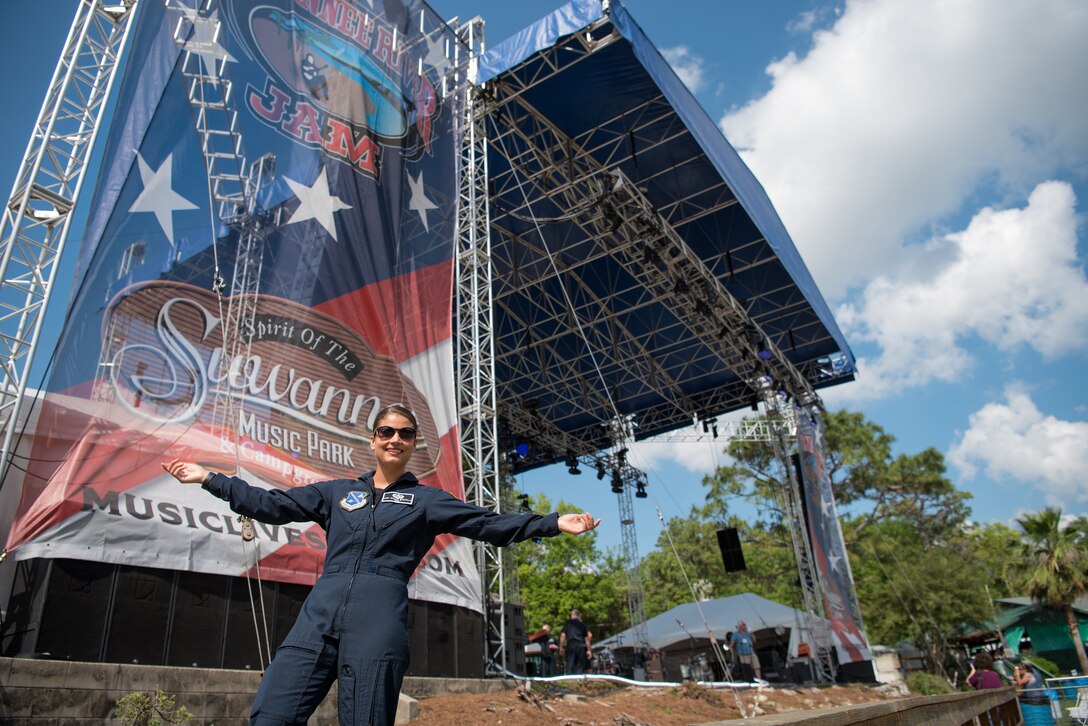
x=392 y=452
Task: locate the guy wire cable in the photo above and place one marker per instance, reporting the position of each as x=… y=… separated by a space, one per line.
x=922 y=602
x=263 y=647
x=555 y=269
x=710 y=633
x=902 y=601
x=600 y=375
x=718 y=656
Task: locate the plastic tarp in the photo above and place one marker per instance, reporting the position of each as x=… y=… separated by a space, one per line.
x=685 y=623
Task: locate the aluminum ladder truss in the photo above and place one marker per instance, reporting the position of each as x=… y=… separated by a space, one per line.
x=233 y=186
x=474 y=352
x=623 y=433
x=37 y=216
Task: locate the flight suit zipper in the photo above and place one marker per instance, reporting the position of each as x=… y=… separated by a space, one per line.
x=359 y=558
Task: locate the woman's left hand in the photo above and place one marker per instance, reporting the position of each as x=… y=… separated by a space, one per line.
x=577 y=523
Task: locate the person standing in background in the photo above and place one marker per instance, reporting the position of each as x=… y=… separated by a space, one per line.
x=744 y=648
x=574 y=641
x=548 y=648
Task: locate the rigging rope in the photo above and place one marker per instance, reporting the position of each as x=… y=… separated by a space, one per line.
x=232 y=412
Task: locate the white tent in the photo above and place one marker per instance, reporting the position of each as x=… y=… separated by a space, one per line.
x=688 y=623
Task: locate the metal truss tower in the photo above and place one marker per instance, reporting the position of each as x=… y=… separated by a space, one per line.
x=474 y=343
x=778 y=409
x=38 y=212
x=622 y=434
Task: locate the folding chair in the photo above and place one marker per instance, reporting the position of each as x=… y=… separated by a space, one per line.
x=1078 y=712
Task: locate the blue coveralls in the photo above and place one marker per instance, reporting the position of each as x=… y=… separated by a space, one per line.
x=354 y=623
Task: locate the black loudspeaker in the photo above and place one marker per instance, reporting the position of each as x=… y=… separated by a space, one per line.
x=77 y=603
x=732 y=555
x=241 y=649
x=470 y=644
x=199 y=609
x=141 y=616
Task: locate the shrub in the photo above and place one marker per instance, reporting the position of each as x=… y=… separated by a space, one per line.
x=1049 y=669
x=140 y=709
x=927 y=684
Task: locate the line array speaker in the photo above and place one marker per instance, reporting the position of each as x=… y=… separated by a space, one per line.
x=732 y=554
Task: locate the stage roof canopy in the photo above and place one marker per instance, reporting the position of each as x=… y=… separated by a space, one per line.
x=640 y=268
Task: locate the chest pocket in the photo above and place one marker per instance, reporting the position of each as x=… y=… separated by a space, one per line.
x=392 y=514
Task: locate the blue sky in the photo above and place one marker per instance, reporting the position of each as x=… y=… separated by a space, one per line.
x=930 y=161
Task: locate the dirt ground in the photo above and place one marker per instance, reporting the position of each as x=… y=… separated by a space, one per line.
x=598 y=703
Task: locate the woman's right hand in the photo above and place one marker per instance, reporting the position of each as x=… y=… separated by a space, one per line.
x=185 y=471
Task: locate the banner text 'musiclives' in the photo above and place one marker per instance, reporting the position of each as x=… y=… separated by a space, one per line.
x=123 y=504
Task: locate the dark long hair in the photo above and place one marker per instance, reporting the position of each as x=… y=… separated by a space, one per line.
x=397 y=408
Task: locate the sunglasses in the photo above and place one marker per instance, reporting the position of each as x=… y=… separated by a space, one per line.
x=386 y=432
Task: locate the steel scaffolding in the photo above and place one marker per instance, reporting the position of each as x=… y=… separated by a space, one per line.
x=38 y=213
x=474 y=342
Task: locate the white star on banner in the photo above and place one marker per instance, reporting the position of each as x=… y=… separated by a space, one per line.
x=825 y=506
x=316 y=202
x=436 y=52
x=834 y=560
x=204 y=42
x=158 y=197
x=419 y=201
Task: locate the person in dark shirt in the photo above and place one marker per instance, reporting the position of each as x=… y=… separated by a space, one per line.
x=574 y=640
x=353 y=626
x=982 y=674
x=548 y=648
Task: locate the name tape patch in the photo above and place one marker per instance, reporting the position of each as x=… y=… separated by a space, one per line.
x=398 y=498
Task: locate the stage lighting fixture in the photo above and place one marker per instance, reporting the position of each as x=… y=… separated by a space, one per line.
x=621 y=457
x=617 y=482
x=757 y=341
x=572 y=463
x=640 y=490
x=522 y=449
x=600 y=470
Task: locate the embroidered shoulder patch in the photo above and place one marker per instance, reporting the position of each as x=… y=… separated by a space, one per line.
x=354 y=500
x=399 y=498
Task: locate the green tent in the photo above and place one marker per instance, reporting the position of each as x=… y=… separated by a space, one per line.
x=1045 y=626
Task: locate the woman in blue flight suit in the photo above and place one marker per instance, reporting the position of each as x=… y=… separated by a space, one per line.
x=354 y=624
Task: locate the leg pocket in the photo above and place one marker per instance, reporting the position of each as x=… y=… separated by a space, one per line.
x=294 y=685
x=369 y=691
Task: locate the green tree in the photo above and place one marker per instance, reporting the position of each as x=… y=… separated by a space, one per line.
x=686 y=564
x=1056 y=561
x=913 y=590
x=904 y=522
x=561 y=573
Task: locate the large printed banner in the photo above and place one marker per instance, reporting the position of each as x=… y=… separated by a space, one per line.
x=828 y=548
x=348 y=110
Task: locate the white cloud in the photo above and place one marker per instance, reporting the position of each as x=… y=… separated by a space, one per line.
x=902 y=110
x=687 y=65
x=1014 y=440
x=1011 y=279
x=688 y=448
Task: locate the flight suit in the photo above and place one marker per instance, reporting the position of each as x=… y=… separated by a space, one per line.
x=353 y=625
